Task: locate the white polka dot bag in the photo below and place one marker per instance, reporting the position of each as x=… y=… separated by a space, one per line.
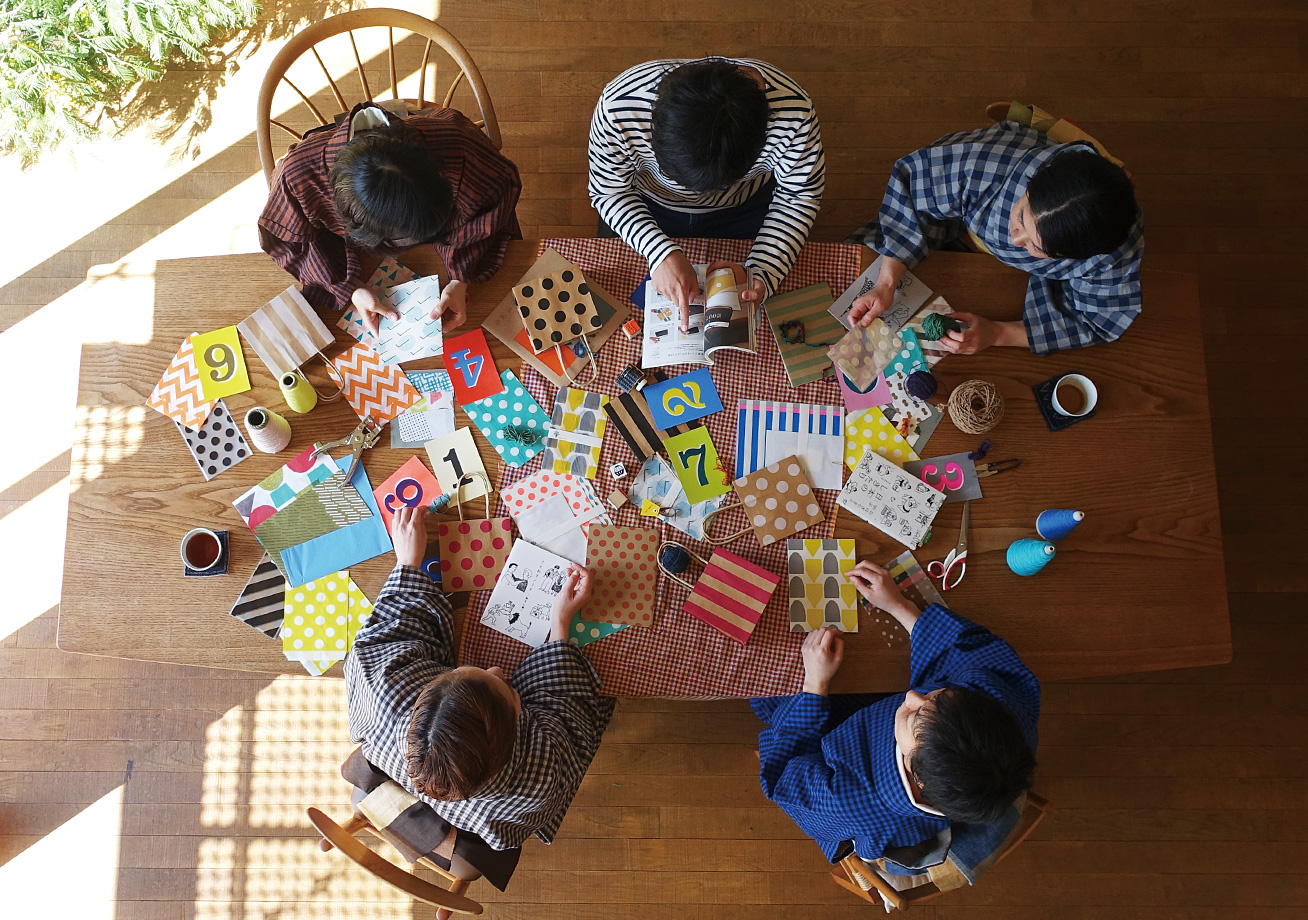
x=777 y=501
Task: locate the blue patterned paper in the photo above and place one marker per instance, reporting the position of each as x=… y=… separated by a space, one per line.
x=909 y=358
x=512 y=421
x=682 y=399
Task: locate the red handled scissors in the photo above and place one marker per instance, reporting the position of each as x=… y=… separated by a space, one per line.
x=957 y=557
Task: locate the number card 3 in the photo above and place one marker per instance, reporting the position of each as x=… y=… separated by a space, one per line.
x=410 y=485
x=695 y=461
x=220 y=362
x=472 y=369
x=953 y=474
x=683 y=399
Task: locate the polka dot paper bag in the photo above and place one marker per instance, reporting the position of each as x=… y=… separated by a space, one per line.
x=473 y=553
x=625 y=575
x=777 y=501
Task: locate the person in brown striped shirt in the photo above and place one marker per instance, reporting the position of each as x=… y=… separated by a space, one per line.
x=382 y=183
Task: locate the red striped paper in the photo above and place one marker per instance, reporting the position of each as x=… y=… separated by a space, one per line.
x=731 y=595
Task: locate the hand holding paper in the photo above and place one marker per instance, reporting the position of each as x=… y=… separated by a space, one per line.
x=409 y=531
x=570 y=601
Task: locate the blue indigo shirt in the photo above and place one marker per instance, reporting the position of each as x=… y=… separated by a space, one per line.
x=974 y=179
x=841 y=783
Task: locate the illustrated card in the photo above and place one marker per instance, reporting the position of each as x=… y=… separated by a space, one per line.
x=897 y=504
x=410 y=485
x=453 y=457
x=820 y=594
x=682 y=399
x=624 y=574
x=695 y=461
x=471 y=368
x=220 y=363
x=953 y=474
x=512 y=421
x=523 y=598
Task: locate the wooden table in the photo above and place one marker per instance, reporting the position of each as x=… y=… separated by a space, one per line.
x=1139 y=586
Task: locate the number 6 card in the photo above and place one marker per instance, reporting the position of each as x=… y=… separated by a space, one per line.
x=410 y=485
x=220 y=362
x=695 y=461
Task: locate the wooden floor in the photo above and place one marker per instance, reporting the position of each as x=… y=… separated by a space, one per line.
x=1181 y=794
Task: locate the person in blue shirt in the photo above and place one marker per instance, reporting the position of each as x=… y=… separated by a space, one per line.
x=1061 y=212
x=890 y=771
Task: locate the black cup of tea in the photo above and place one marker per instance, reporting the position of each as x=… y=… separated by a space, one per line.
x=201 y=549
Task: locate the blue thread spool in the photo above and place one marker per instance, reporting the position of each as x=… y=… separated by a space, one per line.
x=1056 y=523
x=675 y=559
x=921 y=385
x=1027 y=556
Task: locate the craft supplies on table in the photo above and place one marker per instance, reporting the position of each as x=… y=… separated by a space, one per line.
x=910 y=295
x=178 y=395
x=522 y=601
x=412 y=333
x=976 y=406
x=777 y=501
x=471 y=367
x=297 y=392
x=803 y=331
x=371 y=386
x=870 y=430
x=221 y=363
x=953 y=474
x=286 y=333
x=269 y=432
x=891 y=500
x=624 y=574
x=576 y=433
x=694 y=459
x=731 y=595
x=457 y=464
x=1057 y=523
x=261 y=603
x=944 y=569
x=218 y=444
x=320 y=619
x=770 y=431
x=821 y=594
x=411 y=485
x=681 y=399
x=1027 y=557
x=512 y=421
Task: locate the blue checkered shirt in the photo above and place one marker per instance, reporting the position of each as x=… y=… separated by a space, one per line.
x=408 y=641
x=841 y=783
x=973 y=179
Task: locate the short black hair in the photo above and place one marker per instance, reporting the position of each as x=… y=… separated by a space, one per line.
x=708 y=124
x=971 y=759
x=1083 y=205
x=388 y=186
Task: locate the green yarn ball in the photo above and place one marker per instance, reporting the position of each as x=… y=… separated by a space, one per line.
x=935 y=325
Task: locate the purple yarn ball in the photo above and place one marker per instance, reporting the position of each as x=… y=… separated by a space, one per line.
x=921 y=385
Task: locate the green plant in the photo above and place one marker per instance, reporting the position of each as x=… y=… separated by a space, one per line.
x=60 y=59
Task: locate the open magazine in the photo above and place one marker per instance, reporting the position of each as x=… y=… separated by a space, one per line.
x=719 y=321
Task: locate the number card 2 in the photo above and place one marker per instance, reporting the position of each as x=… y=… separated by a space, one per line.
x=453 y=457
x=410 y=485
x=471 y=368
x=695 y=461
x=683 y=399
x=220 y=362
x=953 y=474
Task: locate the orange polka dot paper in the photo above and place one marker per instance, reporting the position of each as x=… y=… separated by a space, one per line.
x=625 y=575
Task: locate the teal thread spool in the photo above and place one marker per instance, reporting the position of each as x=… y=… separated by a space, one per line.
x=1027 y=556
x=1056 y=523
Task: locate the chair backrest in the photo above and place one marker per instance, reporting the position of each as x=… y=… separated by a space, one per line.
x=348 y=23
x=862 y=879
x=342 y=838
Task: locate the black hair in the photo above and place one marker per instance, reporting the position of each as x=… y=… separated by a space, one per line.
x=708 y=124
x=1083 y=205
x=388 y=186
x=971 y=759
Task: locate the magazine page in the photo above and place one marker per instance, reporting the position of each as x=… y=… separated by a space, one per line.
x=663 y=342
x=728 y=323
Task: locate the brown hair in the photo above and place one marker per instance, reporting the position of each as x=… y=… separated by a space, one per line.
x=460 y=735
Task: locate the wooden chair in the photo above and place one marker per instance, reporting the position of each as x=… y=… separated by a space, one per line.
x=341 y=837
x=863 y=879
x=348 y=23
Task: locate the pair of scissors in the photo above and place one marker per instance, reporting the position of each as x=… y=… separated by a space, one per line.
x=995 y=467
x=957 y=557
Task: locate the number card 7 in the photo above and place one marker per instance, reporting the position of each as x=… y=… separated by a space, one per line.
x=683 y=399
x=220 y=362
x=695 y=461
x=953 y=474
x=410 y=485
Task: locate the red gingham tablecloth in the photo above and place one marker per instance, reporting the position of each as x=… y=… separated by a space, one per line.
x=681 y=656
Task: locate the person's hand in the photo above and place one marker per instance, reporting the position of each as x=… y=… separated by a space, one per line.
x=366 y=302
x=754 y=292
x=573 y=597
x=409 y=534
x=824 y=649
x=676 y=280
x=879 y=589
x=452 y=308
x=869 y=306
x=979 y=334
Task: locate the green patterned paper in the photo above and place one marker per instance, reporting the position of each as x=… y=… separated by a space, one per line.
x=808 y=361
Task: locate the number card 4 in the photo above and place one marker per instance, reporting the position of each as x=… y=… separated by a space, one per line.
x=683 y=399
x=410 y=485
x=695 y=461
x=472 y=370
x=221 y=364
x=455 y=456
x=953 y=474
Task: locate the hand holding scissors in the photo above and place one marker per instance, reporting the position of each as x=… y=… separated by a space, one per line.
x=957 y=557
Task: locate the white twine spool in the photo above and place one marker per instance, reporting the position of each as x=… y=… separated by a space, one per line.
x=268 y=431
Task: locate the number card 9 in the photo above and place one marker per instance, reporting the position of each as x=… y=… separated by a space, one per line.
x=220 y=362
x=695 y=461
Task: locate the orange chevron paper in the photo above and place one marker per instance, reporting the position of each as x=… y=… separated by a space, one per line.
x=178 y=394
x=370 y=385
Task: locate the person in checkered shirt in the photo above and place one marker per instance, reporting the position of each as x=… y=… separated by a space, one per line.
x=1061 y=212
x=880 y=772
x=500 y=760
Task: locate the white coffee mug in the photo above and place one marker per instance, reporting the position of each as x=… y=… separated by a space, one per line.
x=203 y=534
x=1076 y=382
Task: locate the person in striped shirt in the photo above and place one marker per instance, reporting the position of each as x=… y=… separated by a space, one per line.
x=719 y=147
x=382 y=183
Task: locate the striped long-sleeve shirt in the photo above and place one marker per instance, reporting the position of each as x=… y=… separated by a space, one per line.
x=623 y=168
x=302 y=232
x=975 y=178
x=408 y=641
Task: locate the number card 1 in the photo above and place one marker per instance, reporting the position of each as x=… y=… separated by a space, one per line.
x=471 y=368
x=221 y=364
x=453 y=457
x=410 y=485
x=683 y=399
x=953 y=474
x=695 y=461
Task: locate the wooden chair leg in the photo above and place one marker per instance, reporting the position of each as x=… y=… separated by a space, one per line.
x=351 y=825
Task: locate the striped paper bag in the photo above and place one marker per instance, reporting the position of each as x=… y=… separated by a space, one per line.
x=285 y=332
x=804 y=330
x=731 y=594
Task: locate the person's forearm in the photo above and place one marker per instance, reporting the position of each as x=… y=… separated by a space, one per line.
x=905 y=613
x=1012 y=334
x=814 y=686
x=891 y=271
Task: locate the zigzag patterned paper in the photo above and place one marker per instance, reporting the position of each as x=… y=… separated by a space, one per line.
x=178 y=394
x=371 y=386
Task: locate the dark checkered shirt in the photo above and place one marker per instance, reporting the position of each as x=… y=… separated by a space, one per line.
x=407 y=642
x=300 y=229
x=975 y=178
x=842 y=783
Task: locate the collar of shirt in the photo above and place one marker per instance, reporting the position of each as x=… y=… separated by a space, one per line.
x=908 y=785
x=365 y=117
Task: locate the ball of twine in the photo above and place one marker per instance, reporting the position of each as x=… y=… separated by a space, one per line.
x=975 y=406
